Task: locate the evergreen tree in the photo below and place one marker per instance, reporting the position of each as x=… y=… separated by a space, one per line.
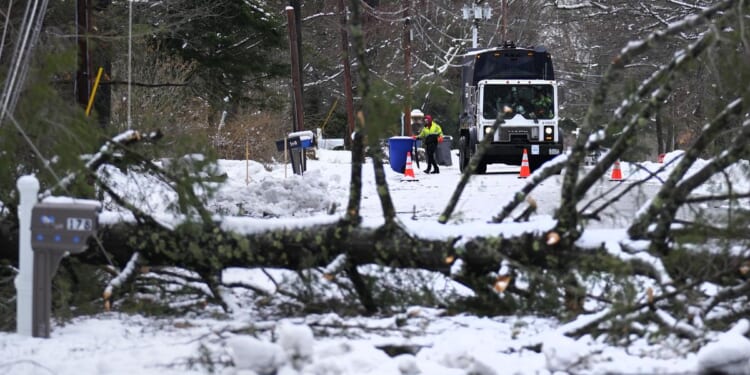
x=234 y=43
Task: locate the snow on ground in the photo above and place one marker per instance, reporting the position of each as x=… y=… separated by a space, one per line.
x=112 y=343
x=258 y=197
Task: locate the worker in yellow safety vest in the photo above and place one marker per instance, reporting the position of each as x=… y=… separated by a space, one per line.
x=431 y=135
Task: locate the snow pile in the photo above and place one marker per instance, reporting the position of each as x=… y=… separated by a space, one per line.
x=256 y=356
x=729 y=354
x=563 y=353
x=258 y=191
x=721 y=183
x=297 y=342
x=267 y=195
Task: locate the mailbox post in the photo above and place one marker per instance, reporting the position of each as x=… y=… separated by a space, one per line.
x=56 y=229
x=296 y=144
x=28 y=187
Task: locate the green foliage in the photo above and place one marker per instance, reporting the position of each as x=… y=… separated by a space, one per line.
x=728 y=83
x=48 y=133
x=233 y=42
x=687 y=263
x=152 y=296
x=77 y=289
x=568 y=125
x=397 y=289
x=485 y=301
x=438 y=99
x=7 y=297
x=383 y=108
x=336 y=126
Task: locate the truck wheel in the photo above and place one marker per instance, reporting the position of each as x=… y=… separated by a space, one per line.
x=464 y=155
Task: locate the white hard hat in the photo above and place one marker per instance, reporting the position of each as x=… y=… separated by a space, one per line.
x=416 y=113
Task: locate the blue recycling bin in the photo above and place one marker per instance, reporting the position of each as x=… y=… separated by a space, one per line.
x=397 y=149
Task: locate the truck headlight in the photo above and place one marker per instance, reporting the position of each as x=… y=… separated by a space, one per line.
x=549 y=133
x=487 y=130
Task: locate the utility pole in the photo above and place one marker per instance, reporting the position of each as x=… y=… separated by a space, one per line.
x=296 y=4
x=347 y=74
x=504 y=13
x=407 y=66
x=475 y=13
x=83 y=76
x=297 y=124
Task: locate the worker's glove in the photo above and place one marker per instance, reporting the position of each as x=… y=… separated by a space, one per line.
x=440 y=139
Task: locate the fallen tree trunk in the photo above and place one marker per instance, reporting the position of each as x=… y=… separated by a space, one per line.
x=210 y=250
x=300 y=248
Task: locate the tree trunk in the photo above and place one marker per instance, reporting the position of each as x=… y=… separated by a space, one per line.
x=659 y=134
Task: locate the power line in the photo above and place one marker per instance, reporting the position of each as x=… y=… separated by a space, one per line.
x=30 y=29
x=380 y=15
x=130 y=61
x=45 y=163
x=5 y=28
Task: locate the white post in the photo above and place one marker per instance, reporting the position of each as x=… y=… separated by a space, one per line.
x=28 y=186
x=403 y=122
x=474 y=35
x=247 y=162
x=286 y=152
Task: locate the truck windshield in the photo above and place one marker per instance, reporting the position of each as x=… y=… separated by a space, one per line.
x=529 y=101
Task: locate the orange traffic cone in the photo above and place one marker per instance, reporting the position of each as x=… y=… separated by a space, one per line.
x=409 y=171
x=525 y=171
x=616 y=172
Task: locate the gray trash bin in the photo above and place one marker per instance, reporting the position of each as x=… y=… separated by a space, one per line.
x=443 y=154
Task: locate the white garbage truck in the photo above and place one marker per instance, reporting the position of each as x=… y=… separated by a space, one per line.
x=517 y=87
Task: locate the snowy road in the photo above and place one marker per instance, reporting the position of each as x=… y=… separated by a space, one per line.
x=273 y=191
x=485 y=195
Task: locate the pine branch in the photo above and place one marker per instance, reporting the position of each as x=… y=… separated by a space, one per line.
x=595 y=213
x=716 y=198
x=687 y=185
x=355 y=184
x=725 y=295
x=127 y=273
x=548 y=169
x=389 y=211
x=358 y=154
x=104 y=156
x=567 y=213
x=657 y=89
x=665 y=197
